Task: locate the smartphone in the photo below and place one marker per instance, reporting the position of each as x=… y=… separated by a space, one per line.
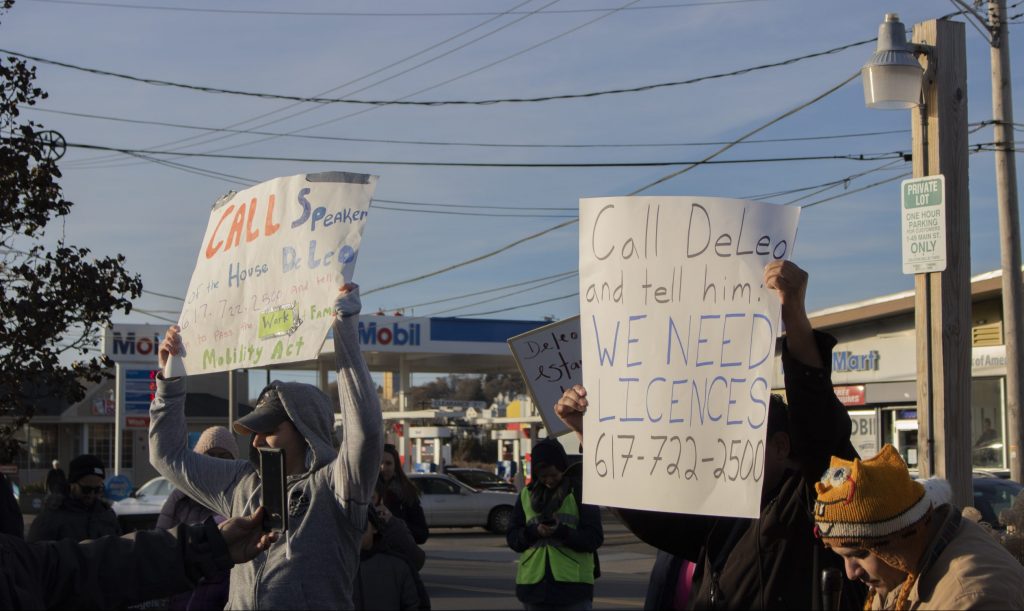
x=275 y=510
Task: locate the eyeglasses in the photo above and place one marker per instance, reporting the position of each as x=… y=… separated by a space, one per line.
x=390 y=447
x=90 y=489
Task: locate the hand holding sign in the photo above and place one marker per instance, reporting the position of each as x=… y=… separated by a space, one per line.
x=171 y=350
x=570 y=408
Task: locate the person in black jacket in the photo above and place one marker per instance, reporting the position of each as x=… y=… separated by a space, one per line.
x=112 y=572
x=773 y=562
x=83 y=513
x=56 y=480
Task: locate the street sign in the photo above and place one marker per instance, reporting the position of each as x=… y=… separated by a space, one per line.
x=923 y=214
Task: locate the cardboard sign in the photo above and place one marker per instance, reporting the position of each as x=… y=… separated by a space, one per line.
x=550 y=361
x=678 y=334
x=269 y=268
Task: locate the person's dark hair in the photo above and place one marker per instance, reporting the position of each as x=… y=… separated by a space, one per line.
x=409 y=492
x=778 y=415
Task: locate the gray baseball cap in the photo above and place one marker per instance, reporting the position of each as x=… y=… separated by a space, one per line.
x=264 y=419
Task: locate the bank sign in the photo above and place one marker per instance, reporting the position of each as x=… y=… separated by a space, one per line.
x=923 y=212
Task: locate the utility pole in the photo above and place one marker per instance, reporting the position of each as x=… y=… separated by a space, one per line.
x=943 y=299
x=1009 y=229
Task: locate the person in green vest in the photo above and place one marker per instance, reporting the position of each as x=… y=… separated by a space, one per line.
x=556 y=535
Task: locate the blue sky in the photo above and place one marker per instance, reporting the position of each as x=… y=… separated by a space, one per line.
x=156 y=215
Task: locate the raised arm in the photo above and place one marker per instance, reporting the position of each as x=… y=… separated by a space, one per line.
x=209 y=480
x=358 y=462
x=819 y=423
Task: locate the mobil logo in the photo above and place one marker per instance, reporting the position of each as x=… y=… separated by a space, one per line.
x=389 y=334
x=129 y=343
x=133 y=343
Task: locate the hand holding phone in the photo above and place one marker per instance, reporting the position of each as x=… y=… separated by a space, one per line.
x=272 y=476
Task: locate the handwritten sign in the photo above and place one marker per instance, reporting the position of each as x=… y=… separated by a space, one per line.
x=550 y=361
x=678 y=334
x=269 y=268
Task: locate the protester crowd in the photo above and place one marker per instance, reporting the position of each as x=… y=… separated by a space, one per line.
x=835 y=531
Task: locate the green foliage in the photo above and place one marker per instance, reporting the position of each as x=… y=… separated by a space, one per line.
x=56 y=296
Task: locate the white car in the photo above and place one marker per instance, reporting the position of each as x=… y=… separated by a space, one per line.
x=448 y=502
x=141 y=510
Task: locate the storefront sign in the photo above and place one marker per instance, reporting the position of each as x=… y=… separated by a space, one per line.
x=850 y=395
x=849 y=361
x=864 y=432
x=136 y=422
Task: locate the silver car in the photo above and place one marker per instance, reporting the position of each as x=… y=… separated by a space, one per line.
x=141 y=510
x=448 y=502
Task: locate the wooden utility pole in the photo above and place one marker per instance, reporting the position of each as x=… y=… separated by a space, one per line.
x=943 y=299
x=1009 y=229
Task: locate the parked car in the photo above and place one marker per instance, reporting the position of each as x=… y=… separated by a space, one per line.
x=141 y=510
x=992 y=495
x=448 y=502
x=479 y=479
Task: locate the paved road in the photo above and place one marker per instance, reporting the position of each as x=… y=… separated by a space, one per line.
x=473 y=569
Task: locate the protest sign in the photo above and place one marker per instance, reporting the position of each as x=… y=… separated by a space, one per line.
x=550 y=360
x=678 y=334
x=269 y=268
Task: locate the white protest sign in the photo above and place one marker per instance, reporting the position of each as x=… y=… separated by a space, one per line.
x=269 y=269
x=550 y=360
x=678 y=335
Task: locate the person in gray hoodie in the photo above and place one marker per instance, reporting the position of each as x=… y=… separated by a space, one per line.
x=328 y=492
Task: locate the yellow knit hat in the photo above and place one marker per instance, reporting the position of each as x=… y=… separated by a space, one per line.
x=868 y=499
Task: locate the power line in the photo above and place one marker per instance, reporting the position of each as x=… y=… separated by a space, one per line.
x=844 y=182
x=365 y=76
x=154 y=315
x=397 y=74
x=408 y=203
x=486 y=255
x=163 y=295
x=483 y=164
x=858 y=190
x=473 y=144
x=406 y=97
x=764 y=126
x=182 y=9
x=565 y=274
x=484 y=102
x=490 y=299
x=524 y=305
x=491 y=214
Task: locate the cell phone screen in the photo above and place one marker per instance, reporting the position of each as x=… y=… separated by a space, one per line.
x=275 y=515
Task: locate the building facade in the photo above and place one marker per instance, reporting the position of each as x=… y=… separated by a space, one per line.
x=875 y=372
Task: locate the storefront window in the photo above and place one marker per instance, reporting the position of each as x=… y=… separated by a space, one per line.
x=987 y=423
x=101 y=444
x=42 y=445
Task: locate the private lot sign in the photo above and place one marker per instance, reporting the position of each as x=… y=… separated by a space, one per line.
x=923 y=212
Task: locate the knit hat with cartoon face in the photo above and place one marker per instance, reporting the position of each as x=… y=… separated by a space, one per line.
x=865 y=502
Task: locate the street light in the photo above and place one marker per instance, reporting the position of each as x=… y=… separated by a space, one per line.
x=892 y=77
